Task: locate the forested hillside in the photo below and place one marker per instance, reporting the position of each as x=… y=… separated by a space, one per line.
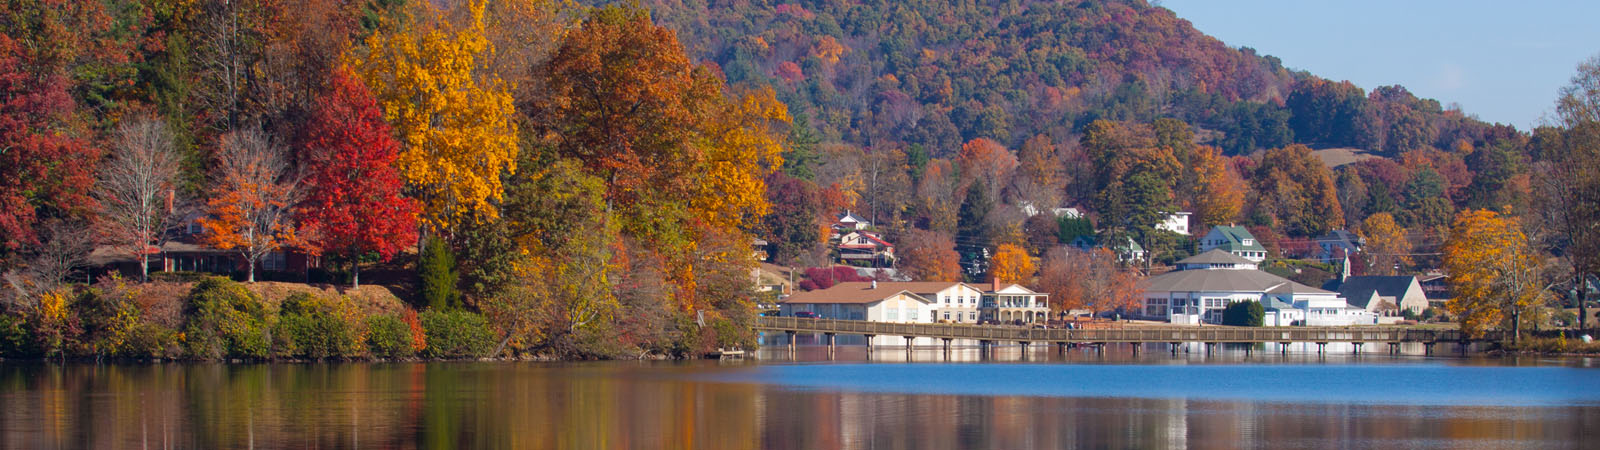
x=937 y=74
x=900 y=106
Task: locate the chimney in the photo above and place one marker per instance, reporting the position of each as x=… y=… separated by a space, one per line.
x=995 y=282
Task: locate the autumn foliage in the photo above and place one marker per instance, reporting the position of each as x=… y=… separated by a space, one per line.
x=353 y=199
x=1091 y=280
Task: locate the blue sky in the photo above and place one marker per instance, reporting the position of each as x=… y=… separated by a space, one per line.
x=1501 y=61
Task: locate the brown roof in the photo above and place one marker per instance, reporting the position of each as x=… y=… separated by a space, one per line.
x=862 y=292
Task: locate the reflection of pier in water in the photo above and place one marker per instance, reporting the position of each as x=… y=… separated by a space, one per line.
x=1209 y=337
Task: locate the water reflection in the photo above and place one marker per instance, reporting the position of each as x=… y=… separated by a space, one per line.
x=668 y=405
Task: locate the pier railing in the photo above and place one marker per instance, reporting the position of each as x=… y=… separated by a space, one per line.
x=1130 y=334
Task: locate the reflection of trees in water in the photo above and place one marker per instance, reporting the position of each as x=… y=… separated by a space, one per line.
x=625 y=406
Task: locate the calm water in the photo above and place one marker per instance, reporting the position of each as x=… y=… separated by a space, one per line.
x=1116 y=400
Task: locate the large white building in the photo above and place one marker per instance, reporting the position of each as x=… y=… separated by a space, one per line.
x=1207 y=283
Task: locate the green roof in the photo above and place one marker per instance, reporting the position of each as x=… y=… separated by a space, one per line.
x=1235 y=236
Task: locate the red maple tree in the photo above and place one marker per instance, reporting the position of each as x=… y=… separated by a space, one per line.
x=354 y=196
x=44 y=169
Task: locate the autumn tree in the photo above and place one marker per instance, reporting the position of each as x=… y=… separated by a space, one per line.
x=1568 y=184
x=1136 y=176
x=1039 y=180
x=137 y=189
x=987 y=165
x=1091 y=280
x=680 y=159
x=353 y=196
x=453 y=122
x=45 y=169
x=936 y=196
x=1387 y=247
x=792 y=225
x=1295 y=190
x=1494 y=272
x=928 y=256
x=1011 y=264
x=255 y=192
x=1221 y=191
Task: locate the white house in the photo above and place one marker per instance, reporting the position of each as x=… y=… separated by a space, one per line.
x=1233 y=239
x=1130 y=251
x=866 y=246
x=851 y=222
x=1177 y=222
x=1013 y=302
x=1205 y=284
x=895 y=302
x=870 y=301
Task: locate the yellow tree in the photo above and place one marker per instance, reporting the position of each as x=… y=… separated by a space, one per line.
x=1494 y=271
x=1221 y=189
x=453 y=121
x=1388 y=250
x=1011 y=264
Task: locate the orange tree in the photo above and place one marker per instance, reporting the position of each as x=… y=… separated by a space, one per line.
x=1011 y=264
x=1494 y=271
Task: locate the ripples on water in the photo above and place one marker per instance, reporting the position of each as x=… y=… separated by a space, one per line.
x=1083 y=400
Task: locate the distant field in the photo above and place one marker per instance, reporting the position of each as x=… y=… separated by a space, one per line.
x=1335 y=157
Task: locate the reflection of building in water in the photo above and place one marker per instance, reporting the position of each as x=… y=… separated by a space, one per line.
x=1177 y=419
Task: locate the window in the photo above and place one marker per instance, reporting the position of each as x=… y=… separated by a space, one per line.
x=947 y=315
x=972 y=316
x=274 y=261
x=195 y=228
x=861 y=240
x=894 y=314
x=911 y=314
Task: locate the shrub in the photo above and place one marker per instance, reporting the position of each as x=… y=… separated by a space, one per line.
x=437 y=269
x=223 y=319
x=1408 y=314
x=105 y=322
x=1248 y=313
x=16 y=341
x=316 y=328
x=456 y=334
x=150 y=340
x=389 y=337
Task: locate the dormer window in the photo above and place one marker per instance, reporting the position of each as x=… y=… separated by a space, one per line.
x=1249 y=242
x=194 y=227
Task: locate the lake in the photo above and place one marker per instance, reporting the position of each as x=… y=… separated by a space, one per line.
x=887 y=399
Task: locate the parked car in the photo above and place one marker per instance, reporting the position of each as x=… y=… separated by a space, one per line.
x=807 y=315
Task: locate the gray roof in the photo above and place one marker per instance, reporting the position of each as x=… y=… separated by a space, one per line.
x=1213 y=281
x=1216 y=256
x=1359 y=289
x=1272 y=303
x=1290 y=287
x=1336 y=236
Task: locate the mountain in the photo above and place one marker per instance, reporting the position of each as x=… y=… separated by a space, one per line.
x=939 y=73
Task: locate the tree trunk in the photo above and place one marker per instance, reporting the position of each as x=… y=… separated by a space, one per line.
x=1516 y=324
x=144 y=266
x=252 y=275
x=1583 y=303
x=355 y=274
